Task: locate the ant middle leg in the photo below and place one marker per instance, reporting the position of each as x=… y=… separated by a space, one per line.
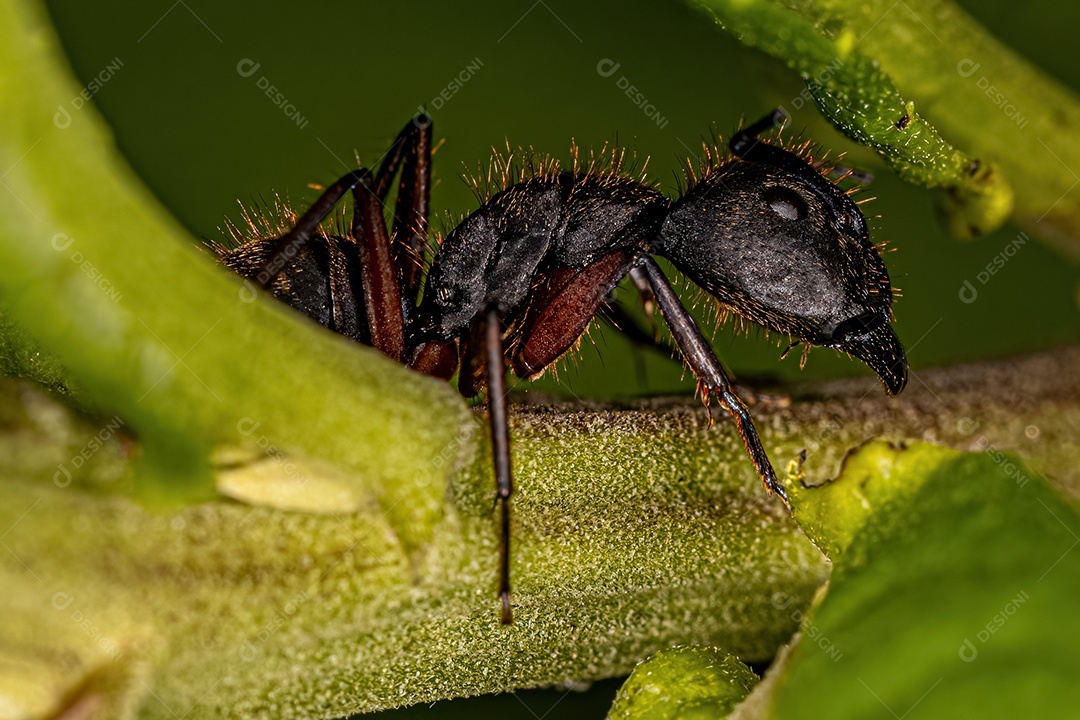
x=411 y=152
x=565 y=302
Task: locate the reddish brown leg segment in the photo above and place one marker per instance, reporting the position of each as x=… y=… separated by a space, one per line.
x=564 y=304
x=412 y=152
x=382 y=292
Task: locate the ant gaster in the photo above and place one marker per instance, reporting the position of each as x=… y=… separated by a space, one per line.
x=520 y=279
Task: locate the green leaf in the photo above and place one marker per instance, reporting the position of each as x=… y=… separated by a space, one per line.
x=944 y=103
x=684 y=683
x=346 y=578
x=954 y=599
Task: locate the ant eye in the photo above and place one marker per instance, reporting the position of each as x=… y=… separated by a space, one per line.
x=785 y=203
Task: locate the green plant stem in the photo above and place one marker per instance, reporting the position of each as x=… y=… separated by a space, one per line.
x=870 y=65
x=634 y=530
x=95 y=271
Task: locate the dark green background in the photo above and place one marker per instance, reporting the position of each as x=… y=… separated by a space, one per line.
x=202 y=136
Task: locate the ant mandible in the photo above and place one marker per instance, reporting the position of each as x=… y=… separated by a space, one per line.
x=520 y=279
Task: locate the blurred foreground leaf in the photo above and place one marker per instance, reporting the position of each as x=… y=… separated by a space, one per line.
x=951 y=595
x=97 y=277
x=954 y=598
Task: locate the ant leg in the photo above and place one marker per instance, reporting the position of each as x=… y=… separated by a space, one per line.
x=411 y=152
x=647 y=299
x=378 y=272
x=706 y=367
x=620 y=319
x=289 y=245
x=381 y=292
x=564 y=302
x=746 y=140
x=500 y=439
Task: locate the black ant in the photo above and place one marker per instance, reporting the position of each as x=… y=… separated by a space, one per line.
x=520 y=279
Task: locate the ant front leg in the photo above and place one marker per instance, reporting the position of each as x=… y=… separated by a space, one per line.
x=706 y=367
x=389 y=270
x=495 y=365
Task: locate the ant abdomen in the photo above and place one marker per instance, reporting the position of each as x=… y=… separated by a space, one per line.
x=304 y=282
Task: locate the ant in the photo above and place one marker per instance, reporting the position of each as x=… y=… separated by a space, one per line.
x=520 y=279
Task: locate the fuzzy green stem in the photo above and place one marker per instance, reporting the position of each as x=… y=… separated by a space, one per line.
x=636 y=530
x=881 y=72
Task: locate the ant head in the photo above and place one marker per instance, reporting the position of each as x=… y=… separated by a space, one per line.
x=779 y=244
